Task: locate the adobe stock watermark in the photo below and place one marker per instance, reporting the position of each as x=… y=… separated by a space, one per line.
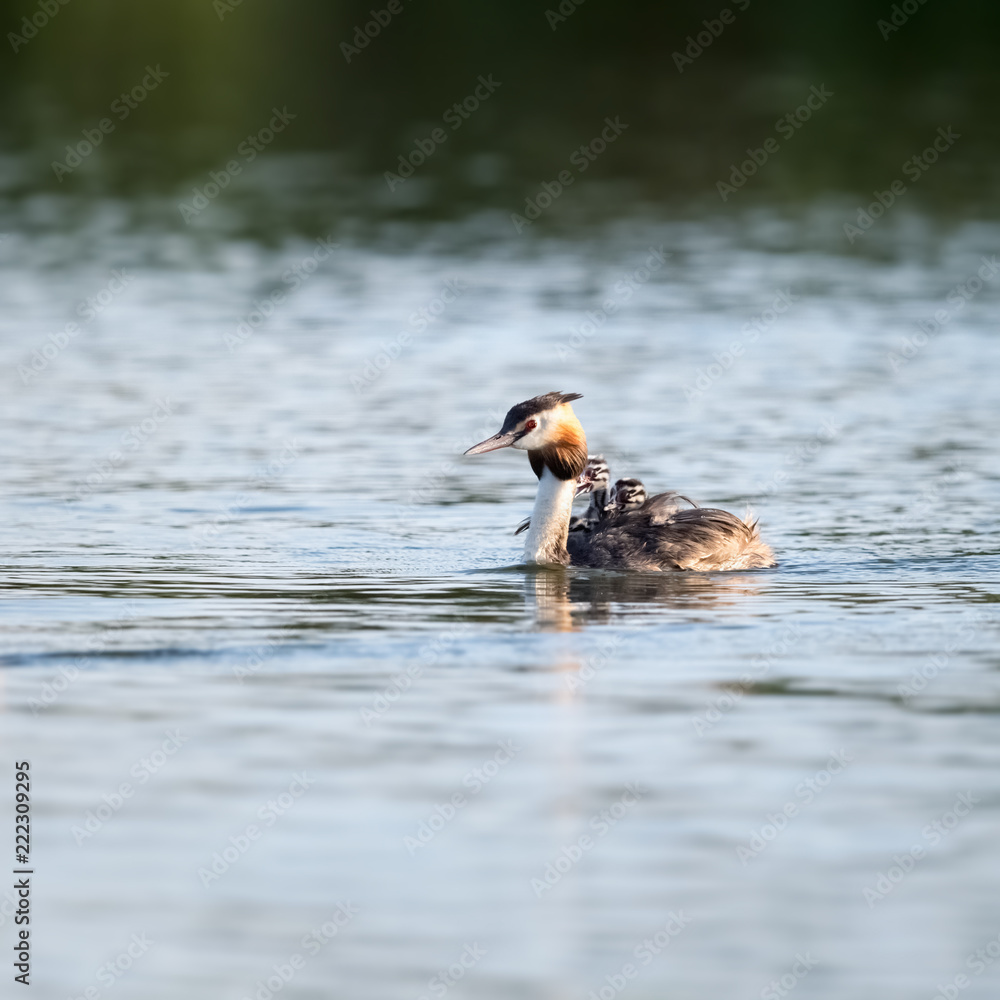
x=294 y=277
x=914 y=168
x=623 y=290
x=804 y=794
x=254 y=661
x=269 y=814
x=696 y=44
x=130 y=442
x=733 y=694
x=368 y=30
x=445 y=979
x=920 y=510
x=978 y=962
x=455 y=117
x=924 y=502
x=224 y=7
x=430 y=653
x=602 y=823
x=643 y=953
x=900 y=14
x=9 y=906
x=88 y=310
x=419 y=321
x=931 y=326
x=261 y=478
x=799 y=456
x=112 y=971
x=142 y=770
x=932 y=835
x=122 y=106
x=607 y=650
x=45 y=11
x=312 y=944
x=922 y=677
x=778 y=988
x=434 y=483
x=705 y=378
x=564 y=11
x=475 y=780
x=248 y=149
x=53 y=690
x=785 y=126
x=581 y=159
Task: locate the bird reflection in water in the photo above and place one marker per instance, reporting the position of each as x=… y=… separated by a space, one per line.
x=568 y=600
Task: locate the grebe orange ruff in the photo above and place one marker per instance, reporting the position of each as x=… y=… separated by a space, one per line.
x=657 y=535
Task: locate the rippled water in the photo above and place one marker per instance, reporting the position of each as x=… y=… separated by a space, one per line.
x=233 y=574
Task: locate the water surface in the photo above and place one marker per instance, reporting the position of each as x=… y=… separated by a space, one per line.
x=238 y=567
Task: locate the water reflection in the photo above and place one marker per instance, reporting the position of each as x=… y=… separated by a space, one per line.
x=567 y=600
x=547 y=596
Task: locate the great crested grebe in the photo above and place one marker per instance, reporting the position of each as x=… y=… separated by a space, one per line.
x=658 y=535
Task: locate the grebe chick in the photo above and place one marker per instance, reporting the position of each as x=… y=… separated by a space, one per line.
x=628 y=494
x=658 y=535
x=593 y=480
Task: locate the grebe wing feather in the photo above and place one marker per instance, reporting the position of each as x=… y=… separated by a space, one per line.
x=699 y=538
x=661 y=507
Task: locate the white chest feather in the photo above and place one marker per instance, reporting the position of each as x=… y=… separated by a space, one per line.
x=546 y=541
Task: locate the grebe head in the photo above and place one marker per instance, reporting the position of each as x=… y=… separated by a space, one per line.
x=546 y=427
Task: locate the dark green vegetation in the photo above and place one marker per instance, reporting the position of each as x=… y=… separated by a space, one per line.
x=691 y=118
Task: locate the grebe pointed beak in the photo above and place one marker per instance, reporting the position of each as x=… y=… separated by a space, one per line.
x=499 y=440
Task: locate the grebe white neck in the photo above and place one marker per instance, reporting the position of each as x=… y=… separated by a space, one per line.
x=546 y=541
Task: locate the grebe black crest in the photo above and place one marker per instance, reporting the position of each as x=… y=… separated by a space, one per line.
x=627 y=531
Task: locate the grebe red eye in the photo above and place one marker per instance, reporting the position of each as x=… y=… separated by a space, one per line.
x=530 y=425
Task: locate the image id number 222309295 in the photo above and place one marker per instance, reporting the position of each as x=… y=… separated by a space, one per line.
x=22 y=872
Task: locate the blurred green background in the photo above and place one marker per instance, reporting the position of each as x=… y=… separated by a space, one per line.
x=230 y=62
